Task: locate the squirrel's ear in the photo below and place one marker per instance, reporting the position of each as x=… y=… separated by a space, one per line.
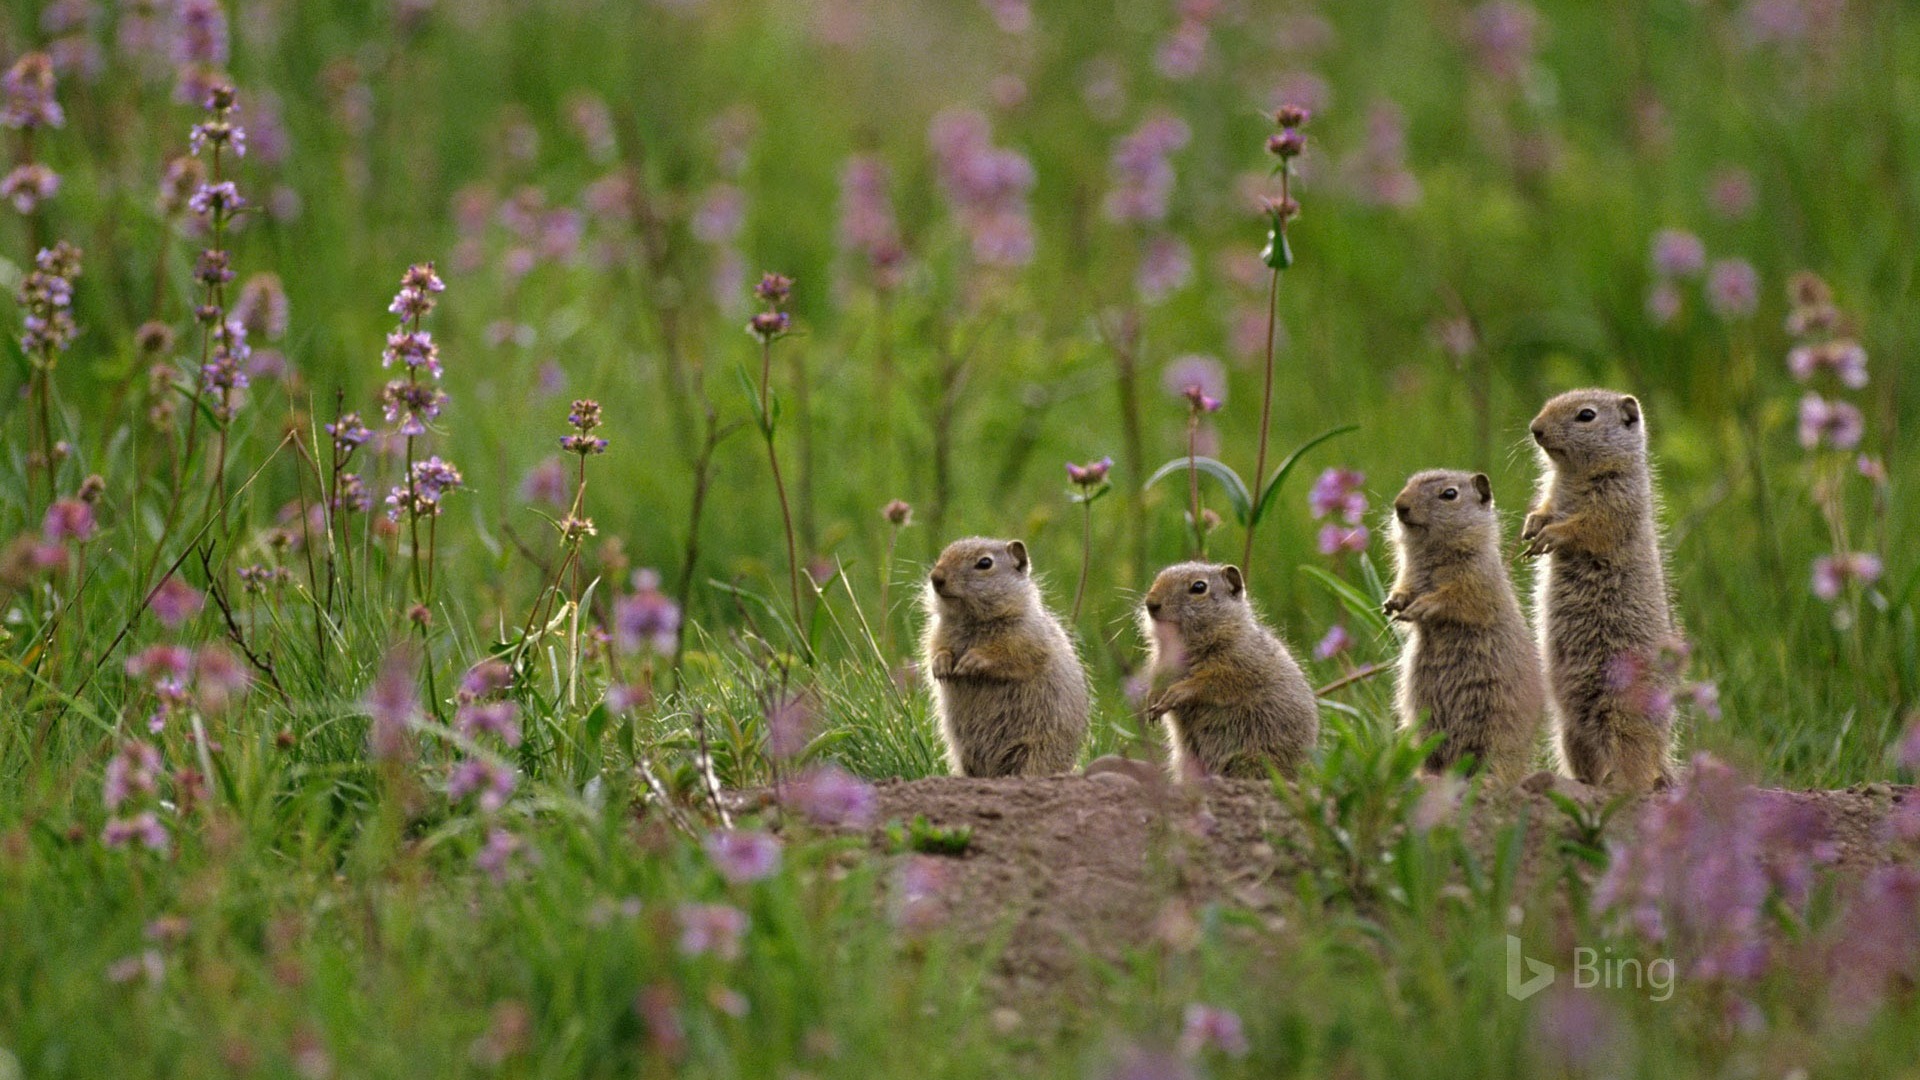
x=1484 y=486
x=1236 y=584
x=1019 y=552
x=1629 y=410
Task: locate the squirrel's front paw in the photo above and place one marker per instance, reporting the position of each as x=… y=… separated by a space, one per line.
x=1535 y=522
x=941 y=666
x=968 y=665
x=1396 y=605
x=1164 y=702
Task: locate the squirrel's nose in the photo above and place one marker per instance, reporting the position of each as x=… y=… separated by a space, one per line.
x=1402 y=511
x=1153 y=607
x=1539 y=434
x=939 y=579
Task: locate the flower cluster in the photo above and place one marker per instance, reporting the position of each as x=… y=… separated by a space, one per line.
x=987 y=187
x=1654 y=683
x=1339 y=495
x=409 y=402
x=200 y=48
x=208 y=680
x=743 y=856
x=584 y=418
x=1088 y=477
x=646 y=618
x=868 y=229
x=480 y=708
x=830 y=795
x=1709 y=861
x=133 y=778
x=1285 y=144
x=1142 y=170
x=219 y=132
x=46 y=295
x=26 y=95
x=1831 y=428
x=771 y=322
x=427 y=483
x=1183 y=52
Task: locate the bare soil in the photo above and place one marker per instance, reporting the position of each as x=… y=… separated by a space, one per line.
x=1065 y=869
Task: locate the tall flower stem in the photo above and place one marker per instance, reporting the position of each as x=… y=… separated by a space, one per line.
x=1266 y=413
x=1086 y=557
x=779 y=485
x=1193 y=485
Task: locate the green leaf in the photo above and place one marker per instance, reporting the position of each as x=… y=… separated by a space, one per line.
x=1236 y=488
x=1277 y=254
x=1279 y=476
x=1363 y=608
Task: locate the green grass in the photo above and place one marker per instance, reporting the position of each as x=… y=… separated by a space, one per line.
x=332 y=906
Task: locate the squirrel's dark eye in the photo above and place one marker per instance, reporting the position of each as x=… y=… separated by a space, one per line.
x=1197 y=588
x=1450 y=494
x=1586 y=416
x=985 y=563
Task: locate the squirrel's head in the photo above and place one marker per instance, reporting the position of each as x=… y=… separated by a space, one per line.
x=1587 y=430
x=981 y=578
x=1446 y=507
x=1190 y=604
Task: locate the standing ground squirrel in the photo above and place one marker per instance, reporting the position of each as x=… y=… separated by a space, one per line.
x=1602 y=604
x=1470 y=663
x=1011 y=693
x=1233 y=697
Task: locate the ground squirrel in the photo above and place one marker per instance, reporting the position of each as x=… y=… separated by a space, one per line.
x=1602 y=604
x=1470 y=664
x=1233 y=697
x=1010 y=691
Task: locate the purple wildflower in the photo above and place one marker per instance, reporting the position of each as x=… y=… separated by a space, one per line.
x=1141 y=1063
x=143 y=828
x=1833 y=573
x=1187 y=372
x=1211 y=1027
x=721 y=213
x=899 y=513
x=1334 y=539
x=548 y=482
x=1876 y=949
x=174 y=602
x=1142 y=175
x=1336 y=641
x=830 y=795
x=1708 y=858
x=500 y=718
x=1832 y=423
x=1733 y=288
x=1339 y=491
x=412 y=349
x=494 y=783
x=1092 y=474
x=917 y=889
x=68 y=521
x=743 y=856
x=1678 y=254
x=133 y=771
x=1166 y=264
x=711 y=928
x=1503 y=37
x=29 y=185
x=393 y=703
x=348 y=432
x=495 y=857
x=1843 y=356
x=789 y=727
x=220 y=199
x=429 y=482
x=1663 y=303
x=867 y=224
x=986 y=185
x=647 y=618
x=26 y=95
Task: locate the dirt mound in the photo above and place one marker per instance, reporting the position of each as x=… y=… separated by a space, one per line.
x=1065 y=868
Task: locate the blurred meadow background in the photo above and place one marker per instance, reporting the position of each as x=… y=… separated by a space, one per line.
x=295 y=786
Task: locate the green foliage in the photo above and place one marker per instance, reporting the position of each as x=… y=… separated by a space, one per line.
x=925 y=837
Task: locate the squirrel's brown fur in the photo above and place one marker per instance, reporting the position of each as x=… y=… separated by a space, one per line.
x=1010 y=692
x=1602 y=605
x=1470 y=666
x=1233 y=697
